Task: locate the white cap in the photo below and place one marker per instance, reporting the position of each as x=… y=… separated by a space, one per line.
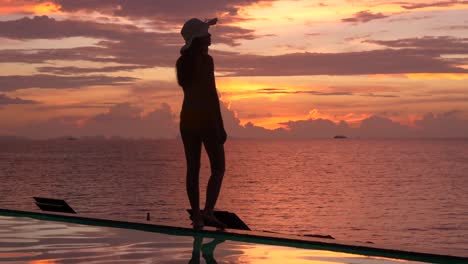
x=195 y=28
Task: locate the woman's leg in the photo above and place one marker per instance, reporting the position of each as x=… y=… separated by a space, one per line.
x=215 y=153
x=192 y=147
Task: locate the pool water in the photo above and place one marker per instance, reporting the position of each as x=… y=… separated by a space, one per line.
x=33 y=241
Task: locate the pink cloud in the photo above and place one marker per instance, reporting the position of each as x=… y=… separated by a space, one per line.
x=128 y=121
x=15 y=82
x=122 y=120
x=448 y=124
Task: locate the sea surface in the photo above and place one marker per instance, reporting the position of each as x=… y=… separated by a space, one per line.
x=397 y=193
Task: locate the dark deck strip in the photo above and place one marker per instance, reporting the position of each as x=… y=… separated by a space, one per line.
x=248 y=236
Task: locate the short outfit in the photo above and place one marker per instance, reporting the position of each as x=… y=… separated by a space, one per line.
x=200 y=117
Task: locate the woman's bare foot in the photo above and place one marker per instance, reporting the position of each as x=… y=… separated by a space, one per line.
x=197 y=221
x=211 y=220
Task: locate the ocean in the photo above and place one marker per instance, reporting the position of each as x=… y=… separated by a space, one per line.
x=396 y=193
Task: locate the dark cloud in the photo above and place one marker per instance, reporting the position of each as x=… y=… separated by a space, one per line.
x=176 y=11
x=15 y=82
x=362 y=88
x=380 y=95
x=454 y=27
x=359 y=37
x=125 y=44
x=387 y=61
x=292 y=47
x=172 y=14
x=96 y=5
x=5 y=100
x=230 y=35
x=432 y=46
x=438 y=45
x=74 y=106
x=76 y=70
x=422 y=58
x=416 y=55
x=133 y=47
x=44 y=27
x=430 y=99
x=363 y=17
x=256 y=115
x=95 y=54
x=433 y=4
x=413 y=18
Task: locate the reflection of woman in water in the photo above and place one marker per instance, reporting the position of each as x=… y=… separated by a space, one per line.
x=200 y=119
x=206 y=249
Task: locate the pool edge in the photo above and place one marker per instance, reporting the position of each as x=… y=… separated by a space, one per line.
x=247 y=236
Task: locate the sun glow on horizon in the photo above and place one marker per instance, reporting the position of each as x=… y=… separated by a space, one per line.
x=10 y=7
x=47 y=8
x=432 y=76
x=43 y=261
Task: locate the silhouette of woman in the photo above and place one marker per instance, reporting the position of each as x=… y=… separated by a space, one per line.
x=200 y=119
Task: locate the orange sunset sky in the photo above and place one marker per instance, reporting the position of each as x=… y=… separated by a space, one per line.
x=296 y=68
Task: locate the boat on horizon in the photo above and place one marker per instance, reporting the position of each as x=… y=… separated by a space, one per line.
x=340 y=137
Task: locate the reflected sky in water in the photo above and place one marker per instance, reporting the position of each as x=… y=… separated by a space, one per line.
x=408 y=194
x=26 y=240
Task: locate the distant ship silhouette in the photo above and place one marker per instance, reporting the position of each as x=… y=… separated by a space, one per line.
x=339 y=137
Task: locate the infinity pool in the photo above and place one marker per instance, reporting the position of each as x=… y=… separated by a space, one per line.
x=35 y=241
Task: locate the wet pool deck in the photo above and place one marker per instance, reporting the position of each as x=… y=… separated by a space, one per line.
x=263 y=238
